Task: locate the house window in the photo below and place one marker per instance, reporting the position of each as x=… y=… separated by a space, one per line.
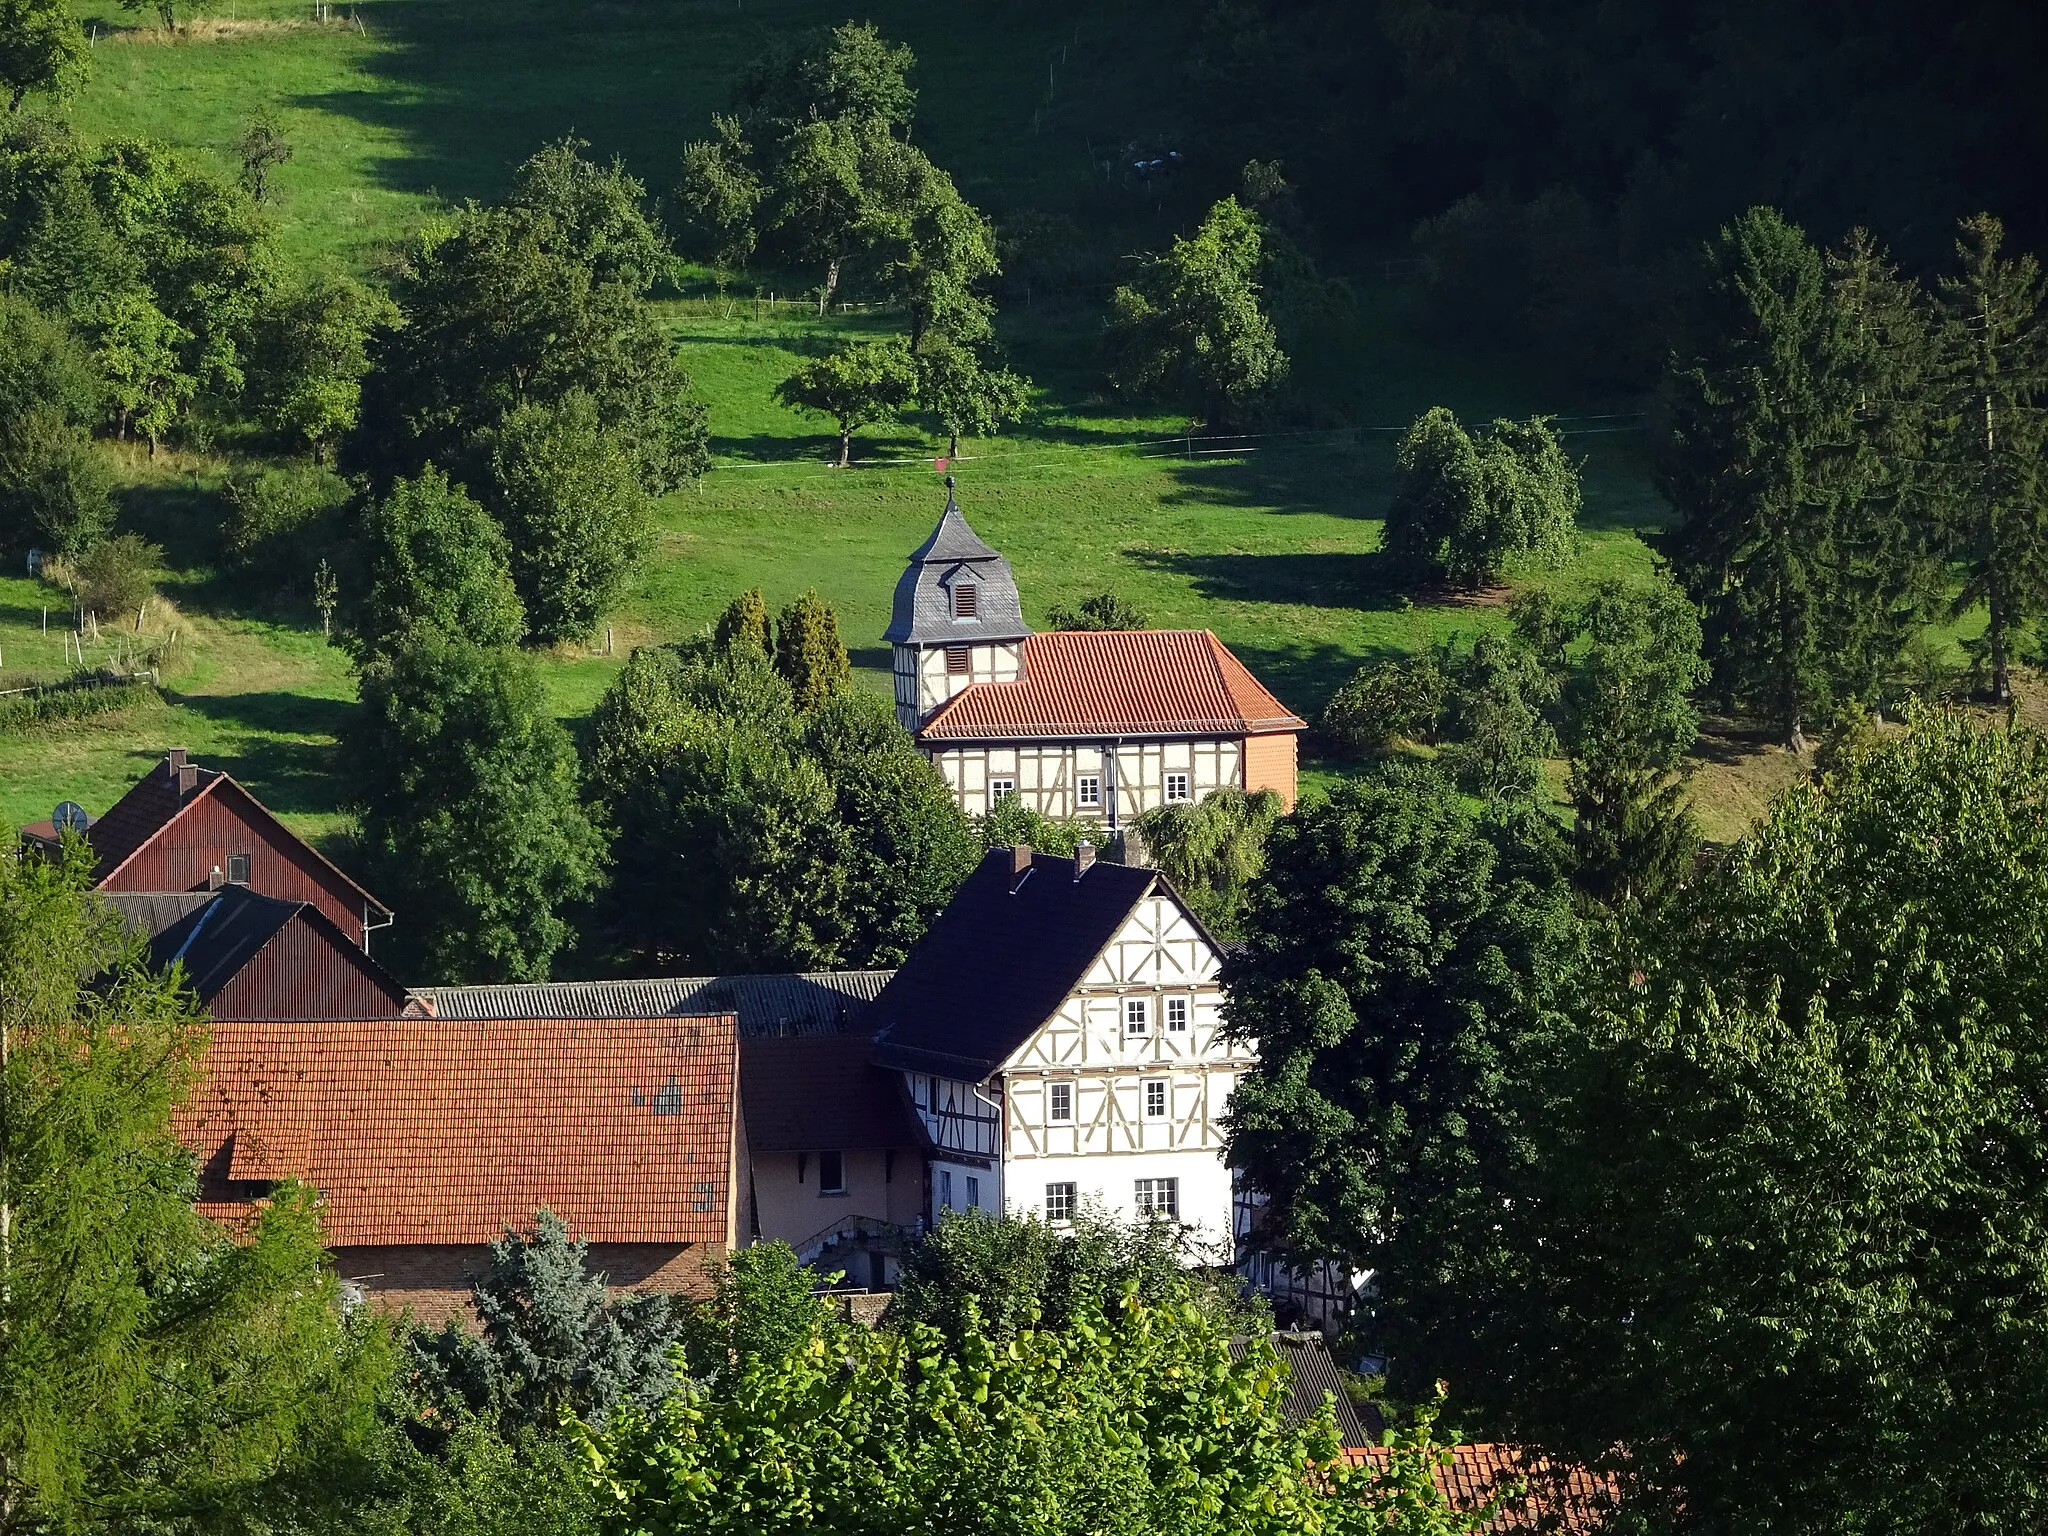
x=997 y=788
x=1059 y=1202
x=946 y=1189
x=831 y=1173
x=1176 y=1015
x=238 y=869
x=966 y=601
x=1060 y=1104
x=956 y=660
x=973 y=1193
x=1088 y=789
x=1159 y=1197
x=1177 y=788
x=1155 y=1099
x=1136 y=1019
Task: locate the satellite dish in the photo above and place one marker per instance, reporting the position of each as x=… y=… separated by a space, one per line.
x=70 y=816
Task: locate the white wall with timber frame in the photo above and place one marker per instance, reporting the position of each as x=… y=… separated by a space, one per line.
x=926 y=677
x=1130 y=776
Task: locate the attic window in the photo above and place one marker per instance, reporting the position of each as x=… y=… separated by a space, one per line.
x=238 y=869
x=967 y=601
x=956 y=659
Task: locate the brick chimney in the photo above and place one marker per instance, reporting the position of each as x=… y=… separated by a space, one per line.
x=1084 y=858
x=1020 y=859
x=184 y=773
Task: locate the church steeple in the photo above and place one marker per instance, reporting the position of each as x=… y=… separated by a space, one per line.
x=957 y=596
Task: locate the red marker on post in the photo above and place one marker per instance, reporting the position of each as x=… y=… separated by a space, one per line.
x=940 y=465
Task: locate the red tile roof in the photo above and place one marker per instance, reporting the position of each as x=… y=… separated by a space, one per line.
x=1130 y=682
x=1555 y=1497
x=432 y=1131
x=823 y=1093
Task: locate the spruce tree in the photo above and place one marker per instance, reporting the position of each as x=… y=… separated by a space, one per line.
x=1757 y=405
x=809 y=653
x=1989 y=385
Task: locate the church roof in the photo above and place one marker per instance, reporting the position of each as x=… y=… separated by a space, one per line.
x=1140 y=682
x=1000 y=959
x=923 y=611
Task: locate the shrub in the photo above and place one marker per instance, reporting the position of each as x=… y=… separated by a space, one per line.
x=283 y=522
x=116 y=575
x=1105 y=610
x=1387 y=701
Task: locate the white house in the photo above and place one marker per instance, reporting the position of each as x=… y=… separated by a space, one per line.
x=1059 y=1032
x=1099 y=725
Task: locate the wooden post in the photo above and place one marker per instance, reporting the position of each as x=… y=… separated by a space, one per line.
x=607 y=639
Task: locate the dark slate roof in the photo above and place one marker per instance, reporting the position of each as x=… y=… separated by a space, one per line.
x=922 y=611
x=817 y=1003
x=1314 y=1378
x=996 y=964
x=151 y=912
x=823 y=1093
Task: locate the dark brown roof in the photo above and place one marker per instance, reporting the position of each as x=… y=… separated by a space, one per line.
x=154 y=801
x=419 y=1130
x=1553 y=1498
x=823 y=1093
x=1313 y=1380
x=1136 y=682
x=998 y=961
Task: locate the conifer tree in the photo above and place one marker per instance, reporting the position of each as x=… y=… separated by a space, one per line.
x=743 y=627
x=809 y=653
x=1757 y=403
x=1989 y=384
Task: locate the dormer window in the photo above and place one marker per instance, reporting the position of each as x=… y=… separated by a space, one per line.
x=966 y=601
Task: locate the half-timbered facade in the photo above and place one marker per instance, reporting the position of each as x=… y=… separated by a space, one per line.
x=1095 y=725
x=1060 y=1034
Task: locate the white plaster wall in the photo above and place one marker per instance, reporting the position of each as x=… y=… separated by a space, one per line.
x=1110 y=1183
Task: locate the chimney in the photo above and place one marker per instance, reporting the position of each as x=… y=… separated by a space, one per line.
x=1020 y=859
x=184 y=773
x=175 y=759
x=1084 y=858
x=213 y=877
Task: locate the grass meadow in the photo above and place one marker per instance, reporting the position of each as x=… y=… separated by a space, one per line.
x=399 y=109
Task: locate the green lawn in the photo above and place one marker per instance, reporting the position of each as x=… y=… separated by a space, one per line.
x=1272 y=543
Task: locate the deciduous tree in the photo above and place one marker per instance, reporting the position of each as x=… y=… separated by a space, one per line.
x=308 y=357
x=963 y=394
x=1468 y=508
x=1213 y=849
x=55 y=488
x=433 y=560
x=1105 y=610
x=42 y=49
x=866 y=382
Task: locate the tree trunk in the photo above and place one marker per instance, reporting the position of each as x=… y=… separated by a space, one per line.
x=2001 y=666
x=953 y=445
x=845 y=446
x=14 y=101
x=831 y=286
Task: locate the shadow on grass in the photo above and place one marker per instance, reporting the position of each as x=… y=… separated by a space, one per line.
x=282 y=714
x=1303 y=676
x=873 y=658
x=1322 y=580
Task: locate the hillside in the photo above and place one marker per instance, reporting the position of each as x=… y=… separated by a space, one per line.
x=403 y=107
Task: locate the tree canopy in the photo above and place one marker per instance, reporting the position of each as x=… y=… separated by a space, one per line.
x=1468 y=508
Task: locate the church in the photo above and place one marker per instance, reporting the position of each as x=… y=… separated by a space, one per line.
x=1096 y=725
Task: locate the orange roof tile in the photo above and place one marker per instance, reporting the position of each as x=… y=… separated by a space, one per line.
x=1555 y=1497
x=419 y=1130
x=1120 y=682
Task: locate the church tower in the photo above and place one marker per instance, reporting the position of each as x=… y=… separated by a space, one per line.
x=955 y=620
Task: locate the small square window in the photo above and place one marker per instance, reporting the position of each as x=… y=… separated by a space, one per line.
x=1176 y=1015
x=966 y=601
x=831 y=1173
x=238 y=869
x=1060 y=1102
x=1177 y=788
x=1059 y=1202
x=1155 y=1099
x=973 y=1193
x=1137 y=1017
x=956 y=660
x=997 y=788
x=1158 y=1197
x=1088 y=789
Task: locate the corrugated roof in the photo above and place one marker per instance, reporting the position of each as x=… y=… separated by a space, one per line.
x=999 y=960
x=921 y=611
x=823 y=1093
x=216 y=940
x=1555 y=1498
x=151 y=912
x=1119 y=682
x=420 y=1130
x=813 y=1003
x=1313 y=1379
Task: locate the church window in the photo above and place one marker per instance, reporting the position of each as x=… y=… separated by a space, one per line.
x=1177 y=787
x=1176 y=1014
x=1088 y=789
x=966 y=601
x=831 y=1173
x=1137 y=1017
x=1059 y=1201
x=1060 y=1104
x=1155 y=1099
x=956 y=660
x=1158 y=1197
